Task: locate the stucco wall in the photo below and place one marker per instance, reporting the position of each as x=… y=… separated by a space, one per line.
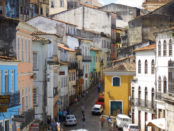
x=83 y=17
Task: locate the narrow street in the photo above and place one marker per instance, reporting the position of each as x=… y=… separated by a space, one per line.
x=92 y=122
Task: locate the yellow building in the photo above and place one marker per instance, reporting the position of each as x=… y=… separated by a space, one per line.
x=117 y=81
x=57 y=6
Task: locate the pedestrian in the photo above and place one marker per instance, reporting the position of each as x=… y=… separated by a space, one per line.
x=53 y=125
x=82 y=109
x=98 y=87
x=83 y=121
x=109 y=121
x=60 y=116
x=102 y=121
x=64 y=114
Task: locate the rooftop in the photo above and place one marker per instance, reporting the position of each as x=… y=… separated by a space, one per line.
x=122 y=67
x=64 y=47
x=149 y=47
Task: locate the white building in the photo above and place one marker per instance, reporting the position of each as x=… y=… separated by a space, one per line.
x=86 y=60
x=143 y=87
x=164 y=74
x=39 y=68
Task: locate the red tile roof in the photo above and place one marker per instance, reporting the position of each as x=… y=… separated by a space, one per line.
x=149 y=47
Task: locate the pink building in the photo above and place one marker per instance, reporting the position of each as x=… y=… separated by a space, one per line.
x=25 y=67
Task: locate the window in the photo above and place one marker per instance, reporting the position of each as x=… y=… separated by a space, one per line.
x=139 y=66
x=19 y=48
x=164 y=48
x=23 y=100
x=29 y=105
x=0 y=81
x=159 y=48
x=29 y=50
x=26 y=98
x=26 y=52
x=22 y=50
x=12 y=81
x=35 y=100
x=132 y=92
x=41 y=10
x=152 y=97
x=7 y=125
x=159 y=84
x=35 y=60
x=52 y=4
x=165 y=85
x=152 y=66
x=139 y=92
x=116 y=81
x=146 y=67
x=6 y=82
x=146 y=95
x=170 y=47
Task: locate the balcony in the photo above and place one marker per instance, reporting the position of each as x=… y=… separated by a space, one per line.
x=14 y=99
x=86 y=58
x=159 y=96
x=73 y=65
x=142 y=103
x=80 y=73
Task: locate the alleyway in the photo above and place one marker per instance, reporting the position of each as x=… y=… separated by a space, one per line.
x=92 y=122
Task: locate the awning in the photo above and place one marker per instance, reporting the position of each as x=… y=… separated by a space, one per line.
x=159 y=123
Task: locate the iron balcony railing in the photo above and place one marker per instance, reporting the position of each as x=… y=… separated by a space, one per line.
x=159 y=96
x=86 y=58
x=143 y=103
x=73 y=65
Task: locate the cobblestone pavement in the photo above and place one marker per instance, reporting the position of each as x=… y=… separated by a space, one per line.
x=92 y=122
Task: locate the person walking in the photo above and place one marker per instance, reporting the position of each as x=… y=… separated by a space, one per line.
x=83 y=121
x=98 y=87
x=64 y=114
x=102 y=121
x=109 y=121
x=83 y=109
x=60 y=116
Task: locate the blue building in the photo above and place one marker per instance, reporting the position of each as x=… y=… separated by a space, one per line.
x=8 y=88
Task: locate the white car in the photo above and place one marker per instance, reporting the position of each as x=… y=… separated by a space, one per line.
x=122 y=120
x=97 y=109
x=131 y=127
x=70 y=120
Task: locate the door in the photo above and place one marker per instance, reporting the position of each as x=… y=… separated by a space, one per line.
x=116 y=107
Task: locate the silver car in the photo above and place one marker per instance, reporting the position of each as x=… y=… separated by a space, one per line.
x=70 y=120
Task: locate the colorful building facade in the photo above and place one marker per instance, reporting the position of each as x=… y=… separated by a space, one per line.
x=9 y=87
x=117 y=88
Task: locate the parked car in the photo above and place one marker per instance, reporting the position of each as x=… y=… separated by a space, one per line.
x=97 y=109
x=70 y=120
x=131 y=127
x=100 y=100
x=122 y=120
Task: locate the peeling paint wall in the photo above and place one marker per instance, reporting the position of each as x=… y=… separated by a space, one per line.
x=7 y=36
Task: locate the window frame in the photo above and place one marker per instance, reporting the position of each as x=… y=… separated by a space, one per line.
x=152 y=66
x=164 y=48
x=146 y=67
x=159 y=48
x=113 y=81
x=139 y=66
x=159 y=83
x=170 y=48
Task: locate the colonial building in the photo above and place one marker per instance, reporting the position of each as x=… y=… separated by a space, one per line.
x=25 y=69
x=9 y=91
x=117 y=81
x=143 y=87
x=164 y=58
x=57 y=6
x=39 y=47
x=151 y=5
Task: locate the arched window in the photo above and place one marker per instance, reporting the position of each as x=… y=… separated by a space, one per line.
x=145 y=96
x=170 y=47
x=139 y=92
x=165 y=85
x=152 y=97
x=164 y=48
x=139 y=66
x=132 y=92
x=159 y=48
x=116 y=81
x=152 y=66
x=146 y=67
x=159 y=84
